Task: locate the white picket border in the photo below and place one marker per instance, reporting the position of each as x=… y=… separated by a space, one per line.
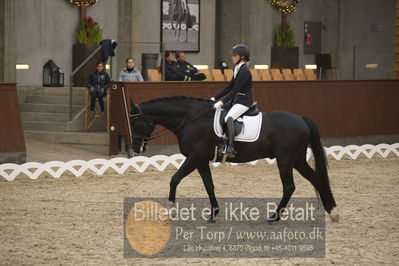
x=140 y=163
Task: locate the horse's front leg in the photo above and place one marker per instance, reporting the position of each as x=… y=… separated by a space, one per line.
x=186 y=34
x=176 y=28
x=178 y=35
x=171 y=22
x=206 y=176
x=187 y=167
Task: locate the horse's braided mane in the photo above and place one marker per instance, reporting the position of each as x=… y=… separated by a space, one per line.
x=176 y=98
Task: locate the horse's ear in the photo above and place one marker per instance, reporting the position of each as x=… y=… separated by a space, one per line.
x=133 y=107
x=131 y=104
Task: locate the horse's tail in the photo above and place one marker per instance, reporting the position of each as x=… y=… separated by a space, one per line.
x=321 y=166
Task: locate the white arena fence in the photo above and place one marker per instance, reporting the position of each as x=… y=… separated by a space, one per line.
x=140 y=163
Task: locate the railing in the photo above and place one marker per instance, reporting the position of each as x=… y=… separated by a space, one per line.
x=140 y=164
x=71 y=79
x=162 y=46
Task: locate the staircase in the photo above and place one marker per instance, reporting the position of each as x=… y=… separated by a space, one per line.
x=45 y=113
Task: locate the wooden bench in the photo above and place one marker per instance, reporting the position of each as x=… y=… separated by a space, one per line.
x=217 y=75
x=154 y=75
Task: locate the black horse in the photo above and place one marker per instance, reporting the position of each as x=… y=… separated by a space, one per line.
x=283 y=136
x=179 y=11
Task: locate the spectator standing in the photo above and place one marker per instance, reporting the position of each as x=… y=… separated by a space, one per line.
x=98 y=84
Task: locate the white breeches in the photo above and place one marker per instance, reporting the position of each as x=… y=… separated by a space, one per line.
x=236 y=111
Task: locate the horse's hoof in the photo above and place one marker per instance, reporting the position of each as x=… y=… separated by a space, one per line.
x=211 y=220
x=334 y=216
x=272 y=219
x=172 y=212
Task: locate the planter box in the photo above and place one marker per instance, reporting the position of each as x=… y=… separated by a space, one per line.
x=285 y=57
x=79 y=53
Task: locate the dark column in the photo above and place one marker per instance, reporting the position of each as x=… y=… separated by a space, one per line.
x=218 y=14
x=1 y=40
x=125 y=32
x=229 y=27
x=7 y=41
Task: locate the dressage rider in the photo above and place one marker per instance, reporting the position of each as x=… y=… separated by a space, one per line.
x=238 y=92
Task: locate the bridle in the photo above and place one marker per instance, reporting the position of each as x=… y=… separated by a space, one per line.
x=146 y=139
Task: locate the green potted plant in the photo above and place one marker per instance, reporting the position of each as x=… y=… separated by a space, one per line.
x=284 y=54
x=89 y=32
x=88 y=36
x=284 y=37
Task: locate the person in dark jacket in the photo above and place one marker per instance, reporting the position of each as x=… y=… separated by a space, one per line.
x=238 y=93
x=172 y=72
x=98 y=84
x=188 y=68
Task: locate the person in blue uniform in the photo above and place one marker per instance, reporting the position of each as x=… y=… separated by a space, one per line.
x=172 y=72
x=238 y=93
x=188 y=68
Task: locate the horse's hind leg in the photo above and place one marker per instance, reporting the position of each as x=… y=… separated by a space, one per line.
x=206 y=176
x=306 y=171
x=176 y=28
x=178 y=35
x=186 y=34
x=287 y=180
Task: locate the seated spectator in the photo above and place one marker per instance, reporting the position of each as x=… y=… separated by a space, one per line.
x=188 y=68
x=172 y=72
x=130 y=73
x=98 y=85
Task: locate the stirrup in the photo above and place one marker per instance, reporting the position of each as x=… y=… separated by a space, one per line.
x=223 y=150
x=231 y=154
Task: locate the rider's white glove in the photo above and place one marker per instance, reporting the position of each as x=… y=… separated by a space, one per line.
x=212 y=99
x=218 y=104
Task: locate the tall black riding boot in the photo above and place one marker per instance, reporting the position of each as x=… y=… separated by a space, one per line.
x=231 y=153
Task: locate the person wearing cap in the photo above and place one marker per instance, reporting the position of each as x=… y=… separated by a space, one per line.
x=238 y=93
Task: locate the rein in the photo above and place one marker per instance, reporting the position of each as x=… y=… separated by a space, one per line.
x=163 y=131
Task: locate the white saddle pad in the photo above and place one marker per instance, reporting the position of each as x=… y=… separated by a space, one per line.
x=250 y=129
